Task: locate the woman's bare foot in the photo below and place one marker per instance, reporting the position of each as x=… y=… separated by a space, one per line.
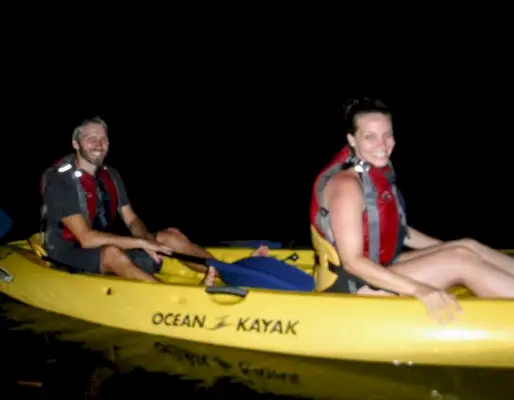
x=212 y=273
x=262 y=251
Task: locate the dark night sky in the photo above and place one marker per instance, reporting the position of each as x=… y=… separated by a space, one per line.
x=233 y=156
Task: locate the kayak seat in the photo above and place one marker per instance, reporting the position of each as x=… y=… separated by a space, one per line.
x=36 y=244
x=327 y=255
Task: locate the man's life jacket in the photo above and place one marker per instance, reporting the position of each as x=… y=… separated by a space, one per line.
x=383 y=217
x=98 y=195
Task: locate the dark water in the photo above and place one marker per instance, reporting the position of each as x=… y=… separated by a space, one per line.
x=45 y=359
x=67 y=359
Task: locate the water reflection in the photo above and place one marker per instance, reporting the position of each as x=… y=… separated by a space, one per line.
x=206 y=367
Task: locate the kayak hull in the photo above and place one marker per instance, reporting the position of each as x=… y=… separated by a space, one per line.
x=318 y=325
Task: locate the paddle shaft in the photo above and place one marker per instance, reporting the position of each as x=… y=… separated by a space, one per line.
x=186 y=257
x=205 y=261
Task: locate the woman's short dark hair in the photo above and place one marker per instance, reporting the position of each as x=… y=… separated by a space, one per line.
x=356 y=107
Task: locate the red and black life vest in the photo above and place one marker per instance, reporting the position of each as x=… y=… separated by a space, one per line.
x=87 y=187
x=383 y=217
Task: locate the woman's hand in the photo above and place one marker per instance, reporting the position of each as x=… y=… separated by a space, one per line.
x=440 y=304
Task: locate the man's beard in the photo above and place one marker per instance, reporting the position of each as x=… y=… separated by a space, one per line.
x=96 y=161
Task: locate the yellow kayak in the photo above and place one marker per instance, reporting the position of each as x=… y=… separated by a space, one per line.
x=317 y=325
x=263 y=372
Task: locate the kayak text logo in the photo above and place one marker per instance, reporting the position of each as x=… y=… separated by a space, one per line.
x=248 y=324
x=222 y=322
x=187 y=320
x=261 y=325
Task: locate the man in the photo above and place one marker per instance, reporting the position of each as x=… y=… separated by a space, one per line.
x=81 y=196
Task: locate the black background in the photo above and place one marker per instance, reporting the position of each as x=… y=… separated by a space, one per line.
x=241 y=165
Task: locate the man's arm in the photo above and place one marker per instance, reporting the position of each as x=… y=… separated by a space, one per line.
x=127 y=213
x=89 y=238
x=63 y=204
x=134 y=223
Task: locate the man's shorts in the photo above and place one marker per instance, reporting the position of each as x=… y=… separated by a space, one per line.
x=88 y=260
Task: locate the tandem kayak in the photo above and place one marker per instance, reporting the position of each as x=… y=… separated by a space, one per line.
x=223 y=369
x=308 y=324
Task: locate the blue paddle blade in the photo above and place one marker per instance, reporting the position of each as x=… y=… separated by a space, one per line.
x=264 y=273
x=277 y=268
x=5 y=223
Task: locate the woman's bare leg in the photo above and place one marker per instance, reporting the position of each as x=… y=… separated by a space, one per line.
x=487 y=254
x=454 y=265
x=411 y=254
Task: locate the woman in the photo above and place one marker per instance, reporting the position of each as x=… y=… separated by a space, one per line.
x=428 y=271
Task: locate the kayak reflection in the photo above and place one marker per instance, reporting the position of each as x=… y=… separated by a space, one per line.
x=264 y=372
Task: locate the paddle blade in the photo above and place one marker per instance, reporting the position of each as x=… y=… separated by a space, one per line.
x=5 y=223
x=250 y=274
x=280 y=270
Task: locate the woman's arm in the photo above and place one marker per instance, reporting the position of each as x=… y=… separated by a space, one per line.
x=417 y=240
x=345 y=202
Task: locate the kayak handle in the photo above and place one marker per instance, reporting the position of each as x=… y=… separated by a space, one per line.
x=232 y=290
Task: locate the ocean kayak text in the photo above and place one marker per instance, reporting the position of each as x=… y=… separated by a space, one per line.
x=248 y=324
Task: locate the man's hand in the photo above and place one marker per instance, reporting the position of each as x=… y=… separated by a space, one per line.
x=152 y=247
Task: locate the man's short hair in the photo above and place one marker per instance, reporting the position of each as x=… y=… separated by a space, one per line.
x=79 y=129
